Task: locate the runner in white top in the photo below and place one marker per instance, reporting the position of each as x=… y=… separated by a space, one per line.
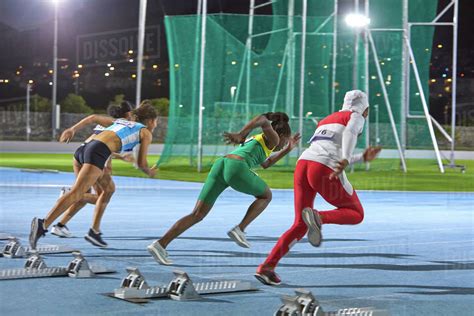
x=320 y=169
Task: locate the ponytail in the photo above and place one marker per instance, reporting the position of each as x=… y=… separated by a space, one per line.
x=119 y=110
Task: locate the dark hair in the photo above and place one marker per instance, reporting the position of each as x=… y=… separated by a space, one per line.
x=145 y=112
x=279 y=123
x=119 y=110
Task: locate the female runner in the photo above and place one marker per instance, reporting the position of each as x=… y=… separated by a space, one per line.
x=234 y=170
x=90 y=160
x=320 y=169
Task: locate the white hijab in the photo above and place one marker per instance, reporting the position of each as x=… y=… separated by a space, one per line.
x=355 y=101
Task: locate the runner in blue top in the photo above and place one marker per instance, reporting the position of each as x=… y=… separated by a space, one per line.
x=90 y=159
x=104 y=187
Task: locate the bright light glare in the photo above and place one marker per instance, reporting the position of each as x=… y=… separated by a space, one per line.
x=357 y=20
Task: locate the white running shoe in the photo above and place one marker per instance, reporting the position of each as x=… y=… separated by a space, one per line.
x=61 y=231
x=64 y=190
x=237 y=235
x=312 y=220
x=159 y=253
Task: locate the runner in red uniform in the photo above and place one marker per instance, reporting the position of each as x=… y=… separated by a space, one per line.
x=320 y=170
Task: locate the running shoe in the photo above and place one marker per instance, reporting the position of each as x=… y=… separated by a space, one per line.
x=95 y=239
x=61 y=231
x=313 y=221
x=267 y=276
x=237 y=235
x=37 y=231
x=159 y=253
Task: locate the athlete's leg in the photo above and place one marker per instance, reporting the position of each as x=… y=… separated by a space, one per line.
x=239 y=177
x=200 y=211
x=304 y=196
x=256 y=208
x=87 y=176
x=73 y=209
x=108 y=188
x=212 y=188
x=348 y=210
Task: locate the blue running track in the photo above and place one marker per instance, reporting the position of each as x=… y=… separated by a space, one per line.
x=412 y=255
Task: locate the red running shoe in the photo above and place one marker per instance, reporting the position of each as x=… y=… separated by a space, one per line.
x=267 y=276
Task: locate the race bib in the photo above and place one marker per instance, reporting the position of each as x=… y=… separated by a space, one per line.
x=322 y=134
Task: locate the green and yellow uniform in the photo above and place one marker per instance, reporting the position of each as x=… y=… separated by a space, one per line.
x=237 y=174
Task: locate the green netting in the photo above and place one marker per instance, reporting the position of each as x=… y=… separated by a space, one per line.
x=239 y=83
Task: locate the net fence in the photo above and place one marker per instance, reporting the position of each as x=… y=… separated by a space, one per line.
x=240 y=83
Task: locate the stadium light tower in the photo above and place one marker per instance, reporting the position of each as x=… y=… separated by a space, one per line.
x=55 y=69
x=361 y=22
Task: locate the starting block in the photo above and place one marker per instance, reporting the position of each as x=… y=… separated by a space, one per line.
x=35 y=267
x=305 y=304
x=14 y=249
x=135 y=289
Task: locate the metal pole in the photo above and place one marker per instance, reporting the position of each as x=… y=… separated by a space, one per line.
x=290 y=69
x=454 y=76
x=377 y=137
x=387 y=101
x=141 y=41
x=302 y=73
x=355 y=65
x=334 y=59
x=28 y=128
x=290 y=81
x=280 y=76
x=248 y=47
x=366 y=80
x=201 y=82
x=425 y=106
x=405 y=83
x=55 y=72
x=195 y=78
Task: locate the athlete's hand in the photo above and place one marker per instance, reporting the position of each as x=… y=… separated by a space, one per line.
x=67 y=135
x=128 y=157
x=233 y=138
x=341 y=165
x=371 y=153
x=294 y=140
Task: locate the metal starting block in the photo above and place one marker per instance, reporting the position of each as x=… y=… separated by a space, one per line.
x=14 y=249
x=135 y=289
x=305 y=304
x=35 y=267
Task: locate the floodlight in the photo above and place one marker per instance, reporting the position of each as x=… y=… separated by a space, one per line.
x=357 y=20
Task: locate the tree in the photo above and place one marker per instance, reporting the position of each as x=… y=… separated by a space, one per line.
x=74 y=103
x=162 y=105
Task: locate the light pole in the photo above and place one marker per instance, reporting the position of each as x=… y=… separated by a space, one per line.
x=28 y=128
x=55 y=70
x=141 y=40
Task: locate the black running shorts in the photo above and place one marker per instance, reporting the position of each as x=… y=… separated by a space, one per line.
x=94 y=152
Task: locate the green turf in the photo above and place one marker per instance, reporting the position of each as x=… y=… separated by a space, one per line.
x=422 y=175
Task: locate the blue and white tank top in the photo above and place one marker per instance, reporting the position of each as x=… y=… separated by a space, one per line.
x=128 y=132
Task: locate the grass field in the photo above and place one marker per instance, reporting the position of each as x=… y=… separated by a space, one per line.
x=422 y=175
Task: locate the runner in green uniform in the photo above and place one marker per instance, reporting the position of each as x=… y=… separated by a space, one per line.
x=234 y=170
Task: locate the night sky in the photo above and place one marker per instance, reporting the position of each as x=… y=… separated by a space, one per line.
x=32 y=19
